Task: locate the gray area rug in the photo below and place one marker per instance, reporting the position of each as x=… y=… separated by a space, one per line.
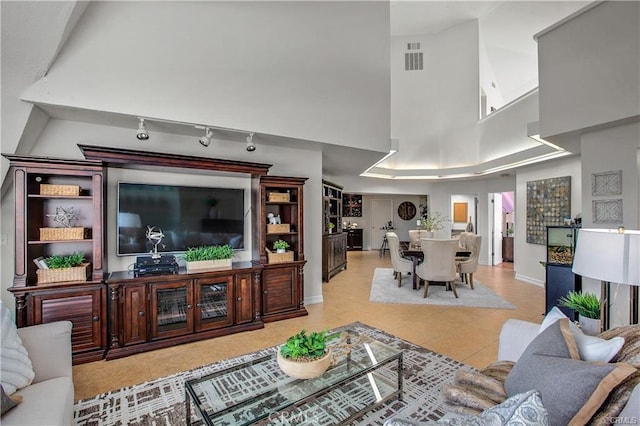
x=384 y=289
x=161 y=401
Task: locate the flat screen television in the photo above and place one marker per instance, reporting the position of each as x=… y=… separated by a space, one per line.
x=187 y=216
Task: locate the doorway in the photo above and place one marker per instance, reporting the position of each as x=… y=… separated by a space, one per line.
x=381 y=215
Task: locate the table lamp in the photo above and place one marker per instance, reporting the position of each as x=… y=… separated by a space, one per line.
x=611 y=256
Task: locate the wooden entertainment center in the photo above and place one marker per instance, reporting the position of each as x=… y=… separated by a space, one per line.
x=115 y=314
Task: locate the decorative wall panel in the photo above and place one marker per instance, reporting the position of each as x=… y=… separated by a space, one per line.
x=607 y=211
x=548 y=204
x=606 y=183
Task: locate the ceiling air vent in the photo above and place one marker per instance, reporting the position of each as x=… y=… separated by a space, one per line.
x=413 y=60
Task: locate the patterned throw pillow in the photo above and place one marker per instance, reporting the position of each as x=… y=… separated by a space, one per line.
x=522 y=409
x=552 y=358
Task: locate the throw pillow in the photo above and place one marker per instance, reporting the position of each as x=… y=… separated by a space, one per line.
x=552 y=359
x=591 y=348
x=522 y=409
x=16 y=370
x=8 y=402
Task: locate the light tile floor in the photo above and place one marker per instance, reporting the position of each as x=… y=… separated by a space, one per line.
x=469 y=335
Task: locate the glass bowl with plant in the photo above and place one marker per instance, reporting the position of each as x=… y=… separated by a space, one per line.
x=305 y=356
x=280 y=246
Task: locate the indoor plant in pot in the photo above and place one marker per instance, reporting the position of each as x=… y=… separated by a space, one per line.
x=60 y=268
x=208 y=257
x=305 y=356
x=280 y=246
x=587 y=305
x=433 y=222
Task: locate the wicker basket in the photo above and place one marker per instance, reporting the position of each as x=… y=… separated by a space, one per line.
x=279 y=228
x=273 y=257
x=47 y=189
x=279 y=197
x=51 y=276
x=57 y=234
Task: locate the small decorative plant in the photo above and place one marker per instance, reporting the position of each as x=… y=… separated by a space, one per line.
x=307 y=347
x=585 y=304
x=434 y=222
x=331 y=226
x=69 y=261
x=195 y=254
x=280 y=245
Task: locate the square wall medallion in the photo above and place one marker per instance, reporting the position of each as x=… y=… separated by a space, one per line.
x=606 y=183
x=607 y=211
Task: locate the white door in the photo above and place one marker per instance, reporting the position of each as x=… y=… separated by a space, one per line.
x=381 y=214
x=496 y=228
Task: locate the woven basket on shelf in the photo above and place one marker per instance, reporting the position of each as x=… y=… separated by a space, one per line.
x=279 y=197
x=57 y=234
x=278 y=228
x=77 y=273
x=273 y=257
x=48 y=189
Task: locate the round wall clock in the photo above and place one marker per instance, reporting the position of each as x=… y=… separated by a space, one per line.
x=407 y=210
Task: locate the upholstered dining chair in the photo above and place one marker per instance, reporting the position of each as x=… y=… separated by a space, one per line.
x=467 y=267
x=415 y=235
x=439 y=263
x=400 y=264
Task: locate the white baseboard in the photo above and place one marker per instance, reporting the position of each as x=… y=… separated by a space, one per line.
x=529 y=280
x=313 y=300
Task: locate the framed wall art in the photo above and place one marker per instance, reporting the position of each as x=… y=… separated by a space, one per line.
x=460 y=212
x=606 y=183
x=407 y=210
x=607 y=211
x=548 y=204
x=352 y=205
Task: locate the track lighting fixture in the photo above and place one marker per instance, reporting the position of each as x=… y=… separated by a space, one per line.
x=142 y=134
x=206 y=139
x=250 y=145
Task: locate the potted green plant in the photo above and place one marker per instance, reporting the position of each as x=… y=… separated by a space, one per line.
x=60 y=268
x=305 y=356
x=331 y=225
x=280 y=246
x=433 y=222
x=208 y=257
x=587 y=305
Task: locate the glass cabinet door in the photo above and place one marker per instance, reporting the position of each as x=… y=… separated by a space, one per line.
x=172 y=308
x=214 y=302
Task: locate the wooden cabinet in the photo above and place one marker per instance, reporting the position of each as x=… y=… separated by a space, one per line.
x=334 y=255
x=50 y=193
x=283 y=276
x=354 y=239
x=507 y=249
x=159 y=311
x=334 y=238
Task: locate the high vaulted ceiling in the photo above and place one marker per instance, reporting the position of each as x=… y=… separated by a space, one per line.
x=505 y=29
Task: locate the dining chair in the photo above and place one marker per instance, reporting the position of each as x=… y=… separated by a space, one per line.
x=439 y=263
x=400 y=264
x=467 y=267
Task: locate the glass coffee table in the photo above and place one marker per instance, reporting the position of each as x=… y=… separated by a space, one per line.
x=366 y=374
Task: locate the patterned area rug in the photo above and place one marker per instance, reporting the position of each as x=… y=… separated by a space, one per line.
x=161 y=401
x=384 y=289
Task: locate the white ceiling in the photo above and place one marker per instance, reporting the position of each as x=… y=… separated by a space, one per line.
x=507 y=28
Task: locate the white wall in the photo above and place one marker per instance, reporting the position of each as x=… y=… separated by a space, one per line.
x=617 y=148
x=527 y=256
x=471 y=213
x=308 y=70
x=60 y=138
x=589 y=68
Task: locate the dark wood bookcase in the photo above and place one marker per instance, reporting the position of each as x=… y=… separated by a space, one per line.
x=115 y=314
x=334 y=239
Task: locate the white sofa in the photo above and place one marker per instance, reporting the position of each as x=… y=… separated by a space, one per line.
x=516 y=335
x=49 y=399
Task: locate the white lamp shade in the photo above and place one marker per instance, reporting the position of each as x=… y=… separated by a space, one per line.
x=608 y=255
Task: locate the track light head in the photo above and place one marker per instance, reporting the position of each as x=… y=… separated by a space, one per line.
x=250 y=145
x=206 y=139
x=142 y=134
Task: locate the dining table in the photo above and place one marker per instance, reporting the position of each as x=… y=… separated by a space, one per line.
x=416 y=255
